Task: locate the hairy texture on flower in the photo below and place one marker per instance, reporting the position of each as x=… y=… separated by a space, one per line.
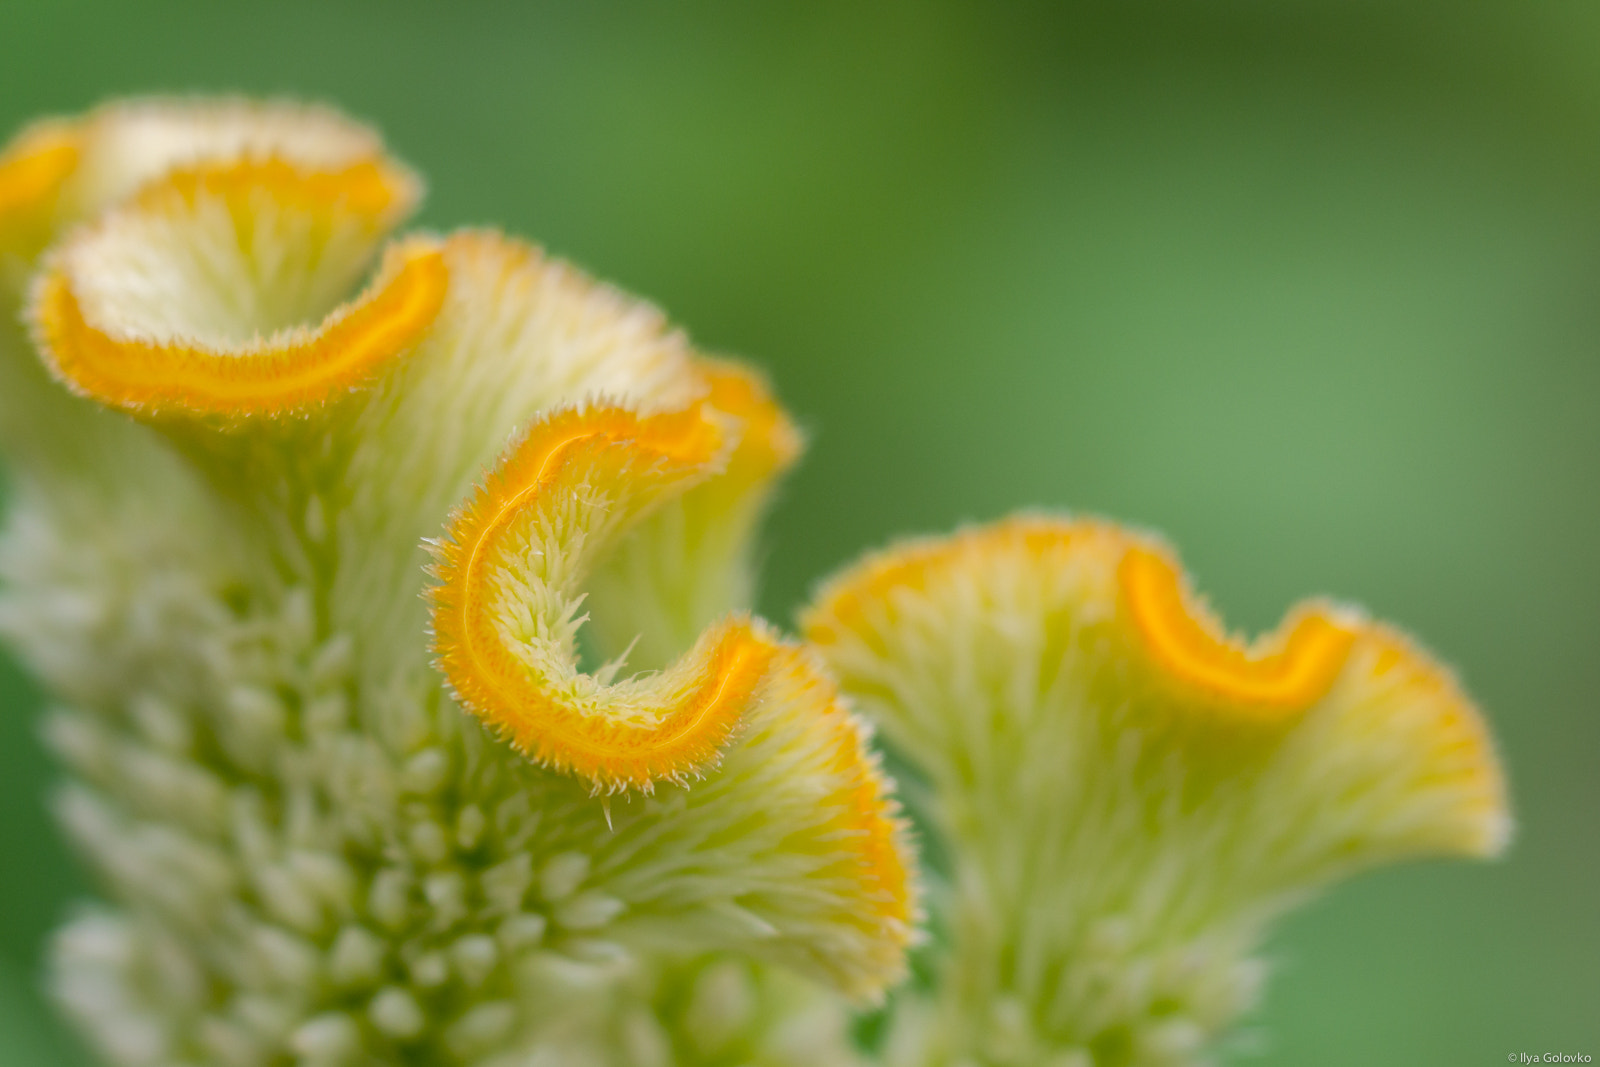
x=310 y=853
x=505 y=622
x=194 y=297
x=677 y=569
x=511 y=570
x=59 y=172
x=345 y=813
x=1129 y=793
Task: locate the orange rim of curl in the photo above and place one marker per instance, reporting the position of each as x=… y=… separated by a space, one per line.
x=1287 y=672
x=769 y=441
x=499 y=688
x=295 y=368
x=844 y=600
x=870 y=812
x=32 y=175
x=1296 y=667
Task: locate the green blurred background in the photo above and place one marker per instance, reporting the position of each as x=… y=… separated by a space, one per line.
x=1310 y=285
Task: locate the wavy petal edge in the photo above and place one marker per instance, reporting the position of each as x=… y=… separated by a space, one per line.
x=288 y=371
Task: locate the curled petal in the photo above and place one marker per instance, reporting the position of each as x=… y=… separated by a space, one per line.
x=792 y=851
x=1056 y=583
x=33 y=170
x=1294 y=666
x=520 y=333
x=511 y=569
x=689 y=562
x=60 y=171
x=769 y=441
x=789 y=848
x=1130 y=789
x=217 y=290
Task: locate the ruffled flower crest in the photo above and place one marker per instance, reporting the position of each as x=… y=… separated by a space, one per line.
x=393 y=594
x=1130 y=794
x=307 y=847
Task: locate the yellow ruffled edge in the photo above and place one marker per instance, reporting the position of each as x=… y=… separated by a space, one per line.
x=58 y=171
x=287 y=372
x=1184 y=648
x=729 y=661
x=769 y=441
x=872 y=825
x=690 y=562
x=33 y=171
x=1283 y=672
x=738 y=670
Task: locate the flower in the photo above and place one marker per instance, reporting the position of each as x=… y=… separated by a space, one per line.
x=393 y=596
x=1130 y=794
x=307 y=847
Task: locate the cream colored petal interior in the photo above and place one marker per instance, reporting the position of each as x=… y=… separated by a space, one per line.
x=228 y=266
x=127 y=144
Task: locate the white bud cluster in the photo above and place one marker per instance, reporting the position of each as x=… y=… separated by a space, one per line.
x=292 y=882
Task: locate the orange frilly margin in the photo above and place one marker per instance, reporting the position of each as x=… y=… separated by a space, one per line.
x=289 y=370
x=1324 y=659
x=346 y=349
x=741 y=700
x=60 y=171
x=769 y=442
x=523 y=542
x=1288 y=671
x=32 y=172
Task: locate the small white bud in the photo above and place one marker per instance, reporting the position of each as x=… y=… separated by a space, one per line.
x=161 y=724
x=326 y=877
x=298 y=618
x=288 y=899
x=332 y=661
x=475 y=957
x=316 y=520
x=522 y=931
x=599 y=951
x=326 y=713
x=505 y=884
x=78 y=741
x=1171 y=1039
x=270 y=1018
x=389 y=900
x=470 y=824
x=228 y=1043
x=430 y=970
x=1072 y=1057
x=644 y=1042
x=290 y=960
x=356 y=957
x=425 y=773
x=429 y=841
x=723 y=1002
x=330 y=1038
x=446 y=893
x=588 y=911
x=562 y=874
x=396 y=1013
x=481 y=1028
x=257 y=719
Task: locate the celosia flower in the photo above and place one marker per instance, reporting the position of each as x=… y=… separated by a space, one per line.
x=321 y=539
x=1132 y=795
x=309 y=850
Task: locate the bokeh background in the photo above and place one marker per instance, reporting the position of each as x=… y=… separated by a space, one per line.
x=1310 y=285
